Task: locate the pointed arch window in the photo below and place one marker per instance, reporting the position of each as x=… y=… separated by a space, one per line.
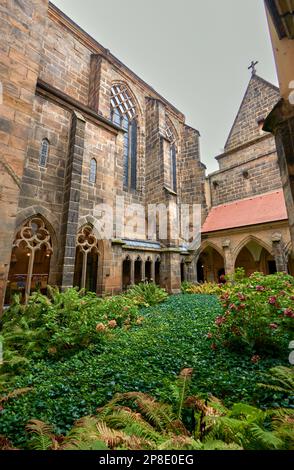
x=44 y=151
x=170 y=134
x=123 y=113
x=30 y=259
x=93 y=171
x=87 y=259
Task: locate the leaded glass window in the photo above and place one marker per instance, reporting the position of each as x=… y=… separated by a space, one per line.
x=123 y=113
x=93 y=171
x=170 y=134
x=44 y=150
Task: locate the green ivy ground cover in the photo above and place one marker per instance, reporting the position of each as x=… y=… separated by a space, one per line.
x=145 y=358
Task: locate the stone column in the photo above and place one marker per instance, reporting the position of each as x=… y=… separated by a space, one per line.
x=279 y=253
x=72 y=190
x=132 y=272
x=171 y=271
x=143 y=270
x=228 y=259
x=191 y=268
x=22 y=24
x=153 y=270
x=280 y=122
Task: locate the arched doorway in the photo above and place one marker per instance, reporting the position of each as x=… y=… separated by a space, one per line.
x=255 y=258
x=148 y=270
x=30 y=260
x=183 y=271
x=126 y=273
x=291 y=265
x=138 y=271
x=87 y=258
x=210 y=265
x=157 y=271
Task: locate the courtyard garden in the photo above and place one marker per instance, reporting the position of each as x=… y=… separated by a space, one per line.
x=206 y=369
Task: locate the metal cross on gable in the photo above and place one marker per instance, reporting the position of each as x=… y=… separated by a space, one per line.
x=253 y=67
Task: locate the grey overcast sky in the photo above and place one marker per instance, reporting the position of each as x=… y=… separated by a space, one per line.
x=193 y=52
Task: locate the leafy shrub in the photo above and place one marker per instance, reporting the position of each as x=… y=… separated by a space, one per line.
x=147 y=294
x=207 y=288
x=258 y=315
x=63 y=323
x=122 y=309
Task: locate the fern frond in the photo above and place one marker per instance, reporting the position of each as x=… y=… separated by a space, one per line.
x=180 y=443
x=219 y=445
x=42 y=435
x=15 y=393
x=132 y=423
x=158 y=414
x=5 y=444
x=181 y=389
x=118 y=439
x=282 y=379
x=266 y=439
x=225 y=428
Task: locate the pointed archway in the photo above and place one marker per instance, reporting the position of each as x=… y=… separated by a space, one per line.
x=148 y=270
x=210 y=265
x=126 y=273
x=157 y=271
x=253 y=257
x=138 y=271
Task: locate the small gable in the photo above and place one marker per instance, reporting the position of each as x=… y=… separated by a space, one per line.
x=260 y=98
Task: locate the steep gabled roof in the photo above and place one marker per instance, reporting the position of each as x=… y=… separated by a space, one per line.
x=259 y=99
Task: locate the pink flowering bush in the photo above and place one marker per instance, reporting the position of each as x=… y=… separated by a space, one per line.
x=258 y=315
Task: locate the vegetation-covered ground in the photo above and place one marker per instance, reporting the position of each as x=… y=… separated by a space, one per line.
x=146 y=357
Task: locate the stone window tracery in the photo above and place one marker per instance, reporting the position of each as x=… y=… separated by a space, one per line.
x=31 y=238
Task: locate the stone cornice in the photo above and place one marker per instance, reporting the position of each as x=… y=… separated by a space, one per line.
x=243 y=146
x=53 y=94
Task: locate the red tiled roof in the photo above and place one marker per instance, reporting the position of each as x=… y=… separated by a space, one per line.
x=268 y=207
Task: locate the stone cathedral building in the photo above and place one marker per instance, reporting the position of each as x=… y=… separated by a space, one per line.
x=79 y=129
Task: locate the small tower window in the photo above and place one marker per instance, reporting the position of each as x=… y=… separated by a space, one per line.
x=93 y=171
x=44 y=150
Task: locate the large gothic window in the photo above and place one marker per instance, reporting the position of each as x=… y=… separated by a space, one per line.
x=170 y=134
x=123 y=113
x=30 y=260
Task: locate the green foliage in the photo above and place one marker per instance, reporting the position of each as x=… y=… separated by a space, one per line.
x=137 y=421
x=147 y=358
x=258 y=315
x=208 y=288
x=120 y=308
x=280 y=379
x=147 y=294
x=252 y=428
x=60 y=325
x=42 y=436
